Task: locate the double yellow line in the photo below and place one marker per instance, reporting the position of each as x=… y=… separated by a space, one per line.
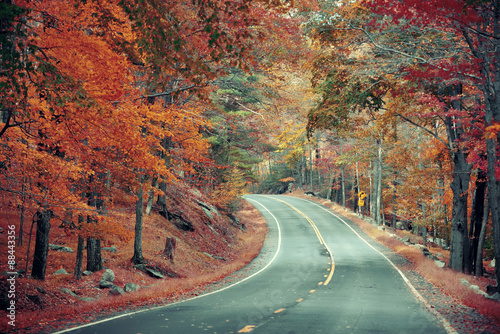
x=318 y=234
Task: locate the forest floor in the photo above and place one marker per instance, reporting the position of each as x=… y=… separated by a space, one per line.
x=442 y=288
x=215 y=249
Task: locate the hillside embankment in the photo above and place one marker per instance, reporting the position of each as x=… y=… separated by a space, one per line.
x=213 y=247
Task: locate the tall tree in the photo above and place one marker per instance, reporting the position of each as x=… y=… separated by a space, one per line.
x=475 y=25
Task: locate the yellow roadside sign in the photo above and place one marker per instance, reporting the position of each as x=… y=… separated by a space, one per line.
x=361 y=202
x=361 y=195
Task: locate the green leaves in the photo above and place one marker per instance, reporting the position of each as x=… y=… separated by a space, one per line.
x=343 y=91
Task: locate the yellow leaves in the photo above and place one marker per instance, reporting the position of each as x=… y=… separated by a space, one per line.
x=292 y=141
x=230 y=190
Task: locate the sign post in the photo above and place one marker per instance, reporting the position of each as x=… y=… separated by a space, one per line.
x=361 y=201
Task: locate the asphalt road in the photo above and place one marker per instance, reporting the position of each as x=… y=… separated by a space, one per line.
x=317 y=276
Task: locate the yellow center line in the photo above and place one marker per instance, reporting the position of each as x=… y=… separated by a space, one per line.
x=312 y=291
x=299 y=300
x=280 y=310
x=318 y=234
x=246 y=329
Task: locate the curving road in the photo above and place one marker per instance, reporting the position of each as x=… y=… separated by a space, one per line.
x=318 y=276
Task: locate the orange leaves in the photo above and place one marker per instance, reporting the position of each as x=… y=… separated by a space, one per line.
x=492 y=131
x=83 y=115
x=287 y=179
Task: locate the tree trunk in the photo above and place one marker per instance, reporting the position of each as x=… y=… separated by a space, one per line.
x=41 y=244
x=311 y=168
x=494 y=200
x=79 y=251
x=394 y=202
x=484 y=44
x=342 y=186
x=378 y=199
x=94 y=257
x=137 y=258
x=482 y=237
x=459 y=244
x=442 y=207
x=476 y=221
x=377 y=186
x=170 y=248
x=21 y=220
x=162 y=200
x=79 y=258
x=151 y=197
x=360 y=208
x=329 y=195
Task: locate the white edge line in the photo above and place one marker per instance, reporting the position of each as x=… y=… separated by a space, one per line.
x=193 y=298
x=447 y=326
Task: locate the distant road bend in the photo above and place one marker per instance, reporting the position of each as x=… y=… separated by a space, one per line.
x=319 y=276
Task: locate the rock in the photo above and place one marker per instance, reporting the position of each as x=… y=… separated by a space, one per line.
x=19 y=273
x=87 y=273
x=108 y=275
x=440 y=242
x=370 y=220
x=139 y=266
x=106 y=284
x=220 y=258
x=180 y=222
x=61 y=272
x=463 y=281
x=88 y=299
x=478 y=290
x=60 y=248
x=431 y=256
x=405 y=239
x=209 y=255
x=34 y=298
x=131 y=287
x=491 y=289
x=154 y=273
x=421 y=247
x=41 y=290
x=440 y=263
x=392 y=235
x=208 y=213
x=236 y=221
x=495 y=296
x=68 y=292
x=399 y=225
x=111 y=249
x=310 y=193
x=208 y=209
x=116 y=291
x=381 y=228
x=492 y=263
x=439 y=255
x=427 y=253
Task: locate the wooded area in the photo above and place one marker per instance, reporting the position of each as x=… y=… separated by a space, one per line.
x=109 y=102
